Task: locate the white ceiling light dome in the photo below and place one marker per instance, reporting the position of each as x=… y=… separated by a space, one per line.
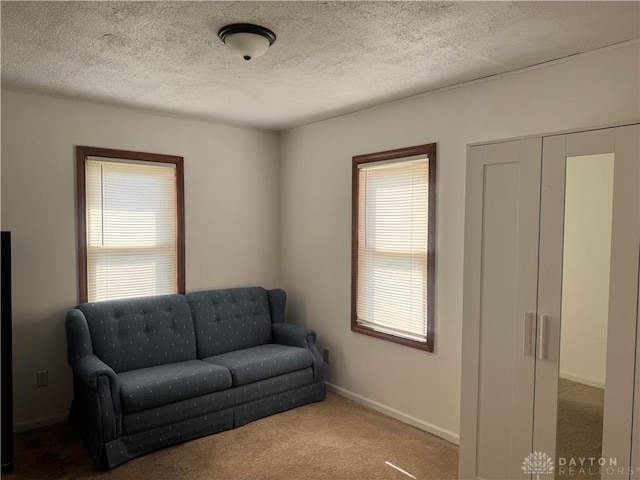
x=246 y=40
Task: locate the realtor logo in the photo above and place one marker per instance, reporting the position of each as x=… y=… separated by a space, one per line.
x=537 y=463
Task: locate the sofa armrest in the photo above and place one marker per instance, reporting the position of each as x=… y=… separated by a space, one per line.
x=99 y=377
x=293 y=335
x=78 y=337
x=90 y=367
x=303 y=337
x=97 y=396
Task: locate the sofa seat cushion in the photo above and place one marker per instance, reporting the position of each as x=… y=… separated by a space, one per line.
x=155 y=386
x=261 y=362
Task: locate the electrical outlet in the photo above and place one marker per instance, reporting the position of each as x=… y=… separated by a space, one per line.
x=42 y=378
x=325 y=355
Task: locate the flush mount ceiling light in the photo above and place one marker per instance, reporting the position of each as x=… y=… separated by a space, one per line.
x=246 y=40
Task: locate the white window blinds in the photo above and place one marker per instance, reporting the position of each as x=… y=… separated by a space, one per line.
x=131 y=229
x=392 y=247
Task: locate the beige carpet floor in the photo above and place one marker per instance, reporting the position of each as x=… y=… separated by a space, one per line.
x=580 y=417
x=333 y=439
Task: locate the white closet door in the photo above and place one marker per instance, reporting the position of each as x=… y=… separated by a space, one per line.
x=623 y=306
x=549 y=296
x=618 y=342
x=501 y=256
x=635 y=442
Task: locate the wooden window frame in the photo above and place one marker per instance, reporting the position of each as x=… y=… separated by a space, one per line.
x=428 y=150
x=82 y=154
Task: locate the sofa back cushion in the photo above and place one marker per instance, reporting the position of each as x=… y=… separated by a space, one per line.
x=141 y=332
x=230 y=319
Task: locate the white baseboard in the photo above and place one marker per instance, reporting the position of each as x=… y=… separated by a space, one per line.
x=39 y=422
x=398 y=415
x=586 y=381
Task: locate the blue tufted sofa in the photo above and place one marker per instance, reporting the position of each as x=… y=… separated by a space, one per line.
x=155 y=371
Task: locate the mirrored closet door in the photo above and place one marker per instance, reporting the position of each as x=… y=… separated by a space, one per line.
x=550 y=327
x=587 y=302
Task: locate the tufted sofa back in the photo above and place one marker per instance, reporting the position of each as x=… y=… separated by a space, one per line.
x=230 y=319
x=142 y=332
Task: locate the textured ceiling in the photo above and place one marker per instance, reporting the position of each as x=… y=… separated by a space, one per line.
x=330 y=57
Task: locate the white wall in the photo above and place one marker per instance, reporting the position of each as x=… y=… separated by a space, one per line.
x=238 y=194
x=422 y=388
x=232 y=218
x=585 y=268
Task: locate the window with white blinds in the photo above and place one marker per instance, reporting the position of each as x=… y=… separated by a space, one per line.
x=392 y=275
x=132 y=228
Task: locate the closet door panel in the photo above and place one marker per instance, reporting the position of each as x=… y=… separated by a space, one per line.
x=549 y=293
x=625 y=241
x=587 y=299
x=503 y=182
x=635 y=442
x=594 y=142
x=471 y=312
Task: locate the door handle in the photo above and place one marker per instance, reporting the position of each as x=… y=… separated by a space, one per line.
x=526 y=333
x=542 y=340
